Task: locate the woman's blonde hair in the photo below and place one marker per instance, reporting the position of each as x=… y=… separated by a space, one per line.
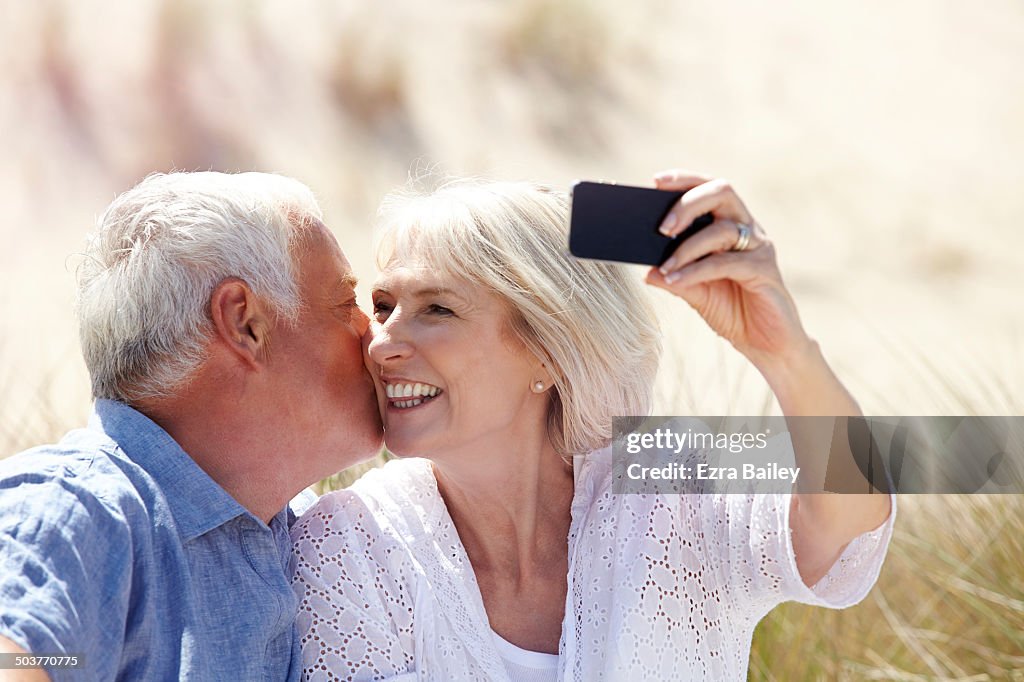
x=590 y=322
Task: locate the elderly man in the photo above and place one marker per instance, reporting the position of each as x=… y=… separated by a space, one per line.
x=221 y=333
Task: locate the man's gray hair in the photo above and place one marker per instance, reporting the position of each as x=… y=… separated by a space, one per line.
x=160 y=250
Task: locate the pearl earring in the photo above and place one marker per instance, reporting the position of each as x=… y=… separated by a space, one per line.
x=538 y=387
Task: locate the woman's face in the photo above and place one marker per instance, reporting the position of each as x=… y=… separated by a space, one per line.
x=456 y=378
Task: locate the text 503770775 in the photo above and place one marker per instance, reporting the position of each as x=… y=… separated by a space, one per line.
x=11 y=661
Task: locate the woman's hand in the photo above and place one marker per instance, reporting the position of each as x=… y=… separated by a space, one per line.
x=739 y=293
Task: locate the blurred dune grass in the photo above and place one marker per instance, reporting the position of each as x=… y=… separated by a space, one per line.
x=879 y=145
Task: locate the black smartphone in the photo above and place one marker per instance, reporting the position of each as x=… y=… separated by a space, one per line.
x=620 y=223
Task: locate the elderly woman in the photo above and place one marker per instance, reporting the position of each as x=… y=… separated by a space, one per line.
x=493 y=548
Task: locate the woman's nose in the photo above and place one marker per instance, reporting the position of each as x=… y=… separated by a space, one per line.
x=387 y=342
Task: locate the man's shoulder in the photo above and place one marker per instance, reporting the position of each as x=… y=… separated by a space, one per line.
x=85 y=467
x=72 y=455
x=76 y=539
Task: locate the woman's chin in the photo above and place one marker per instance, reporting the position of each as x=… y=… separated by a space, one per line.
x=400 y=449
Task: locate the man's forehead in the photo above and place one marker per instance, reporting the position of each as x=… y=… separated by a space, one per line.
x=321 y=256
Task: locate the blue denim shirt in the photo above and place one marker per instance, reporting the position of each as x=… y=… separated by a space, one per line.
x=116 y=545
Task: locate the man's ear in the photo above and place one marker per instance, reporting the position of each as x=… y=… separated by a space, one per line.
x=240 y=321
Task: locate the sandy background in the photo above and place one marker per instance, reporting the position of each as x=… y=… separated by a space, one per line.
x=879 y=144
x=879 y=147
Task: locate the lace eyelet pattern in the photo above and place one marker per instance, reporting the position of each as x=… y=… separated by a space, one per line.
x=659 y=586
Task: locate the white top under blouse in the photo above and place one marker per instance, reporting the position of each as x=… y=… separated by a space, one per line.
x=666 y=587
x=523 y=665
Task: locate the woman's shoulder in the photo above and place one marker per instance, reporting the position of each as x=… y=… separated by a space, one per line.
x=399 y=478
x=592 y=471
x=398 y=498
x=355 y=562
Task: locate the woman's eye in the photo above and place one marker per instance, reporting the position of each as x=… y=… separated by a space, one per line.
x=380 y=308
x=439 y=309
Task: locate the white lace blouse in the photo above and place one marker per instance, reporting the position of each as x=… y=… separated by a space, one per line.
x=660 y=587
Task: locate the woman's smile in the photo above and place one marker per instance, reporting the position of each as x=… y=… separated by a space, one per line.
x=405 y=395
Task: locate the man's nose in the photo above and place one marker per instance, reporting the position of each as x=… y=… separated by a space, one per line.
x=362 y=322
x=365 y=328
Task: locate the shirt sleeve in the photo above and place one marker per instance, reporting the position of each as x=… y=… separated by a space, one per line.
x=355 y=614
x=763 y=564
x=65 y=572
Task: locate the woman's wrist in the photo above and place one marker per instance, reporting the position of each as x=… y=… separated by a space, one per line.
x=804 y=384
x=791 y=366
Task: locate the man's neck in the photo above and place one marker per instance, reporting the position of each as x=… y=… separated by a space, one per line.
x=235 y=446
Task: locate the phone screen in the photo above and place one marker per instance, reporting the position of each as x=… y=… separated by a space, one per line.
x=620 y=223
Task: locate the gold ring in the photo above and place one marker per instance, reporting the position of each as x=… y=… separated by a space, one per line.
x=743 y=241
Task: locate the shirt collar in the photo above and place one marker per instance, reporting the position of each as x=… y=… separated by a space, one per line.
x=198 y=504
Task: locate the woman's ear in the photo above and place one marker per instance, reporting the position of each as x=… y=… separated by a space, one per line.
x=542 y=379
x=240 y=322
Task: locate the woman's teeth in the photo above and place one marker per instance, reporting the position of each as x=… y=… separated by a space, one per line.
x=411 y=390
x=416 y=392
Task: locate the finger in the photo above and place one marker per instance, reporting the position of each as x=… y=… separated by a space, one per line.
x=655 y=277
x=738 y=266
x=694 y=296
x=678 y=179
x=716 y=197
x=721 y=235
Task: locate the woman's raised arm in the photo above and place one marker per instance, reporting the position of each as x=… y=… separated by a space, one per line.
x=729 y=274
